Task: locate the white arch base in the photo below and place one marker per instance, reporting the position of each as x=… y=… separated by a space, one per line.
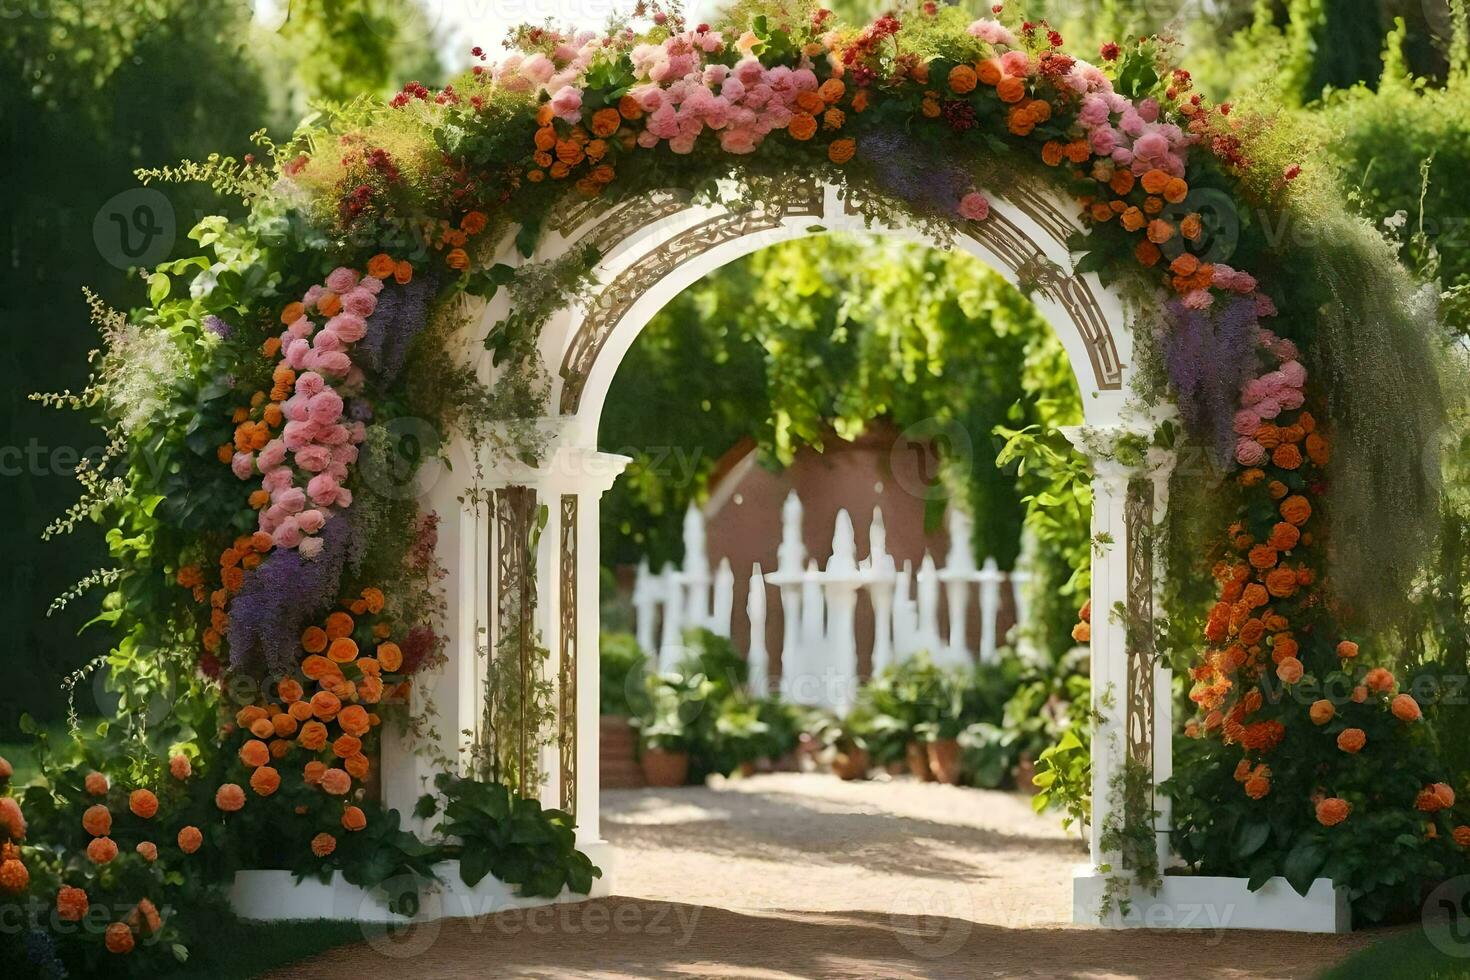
x=651 y=249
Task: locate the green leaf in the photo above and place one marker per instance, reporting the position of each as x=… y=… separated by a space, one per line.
x=1302 y=865
x=1251 y=837
x=158 y=288
x=474 y=865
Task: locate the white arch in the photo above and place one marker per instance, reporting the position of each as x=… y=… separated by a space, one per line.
x=653 y=247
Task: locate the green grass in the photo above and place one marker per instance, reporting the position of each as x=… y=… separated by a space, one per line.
x=238 y=950
x=1406 y=955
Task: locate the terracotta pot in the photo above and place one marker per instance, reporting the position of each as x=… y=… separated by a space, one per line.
x=1025 y=771
x=917 y=758
x=851 y=765
x=617 y=748
x=944 y=760
x=790 y=762
x=747 y=769
x=665 y=769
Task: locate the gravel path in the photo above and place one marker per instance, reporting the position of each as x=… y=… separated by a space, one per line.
x=791 y=876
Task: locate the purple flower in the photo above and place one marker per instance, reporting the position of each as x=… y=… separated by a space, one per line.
x=218 y=327
x=1209 y=355
x=280 y=597
x=401 y=313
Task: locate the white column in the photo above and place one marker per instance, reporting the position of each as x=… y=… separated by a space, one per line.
x=1109 y=644
x=645 y=607
x=958 y=575
x=809 y=666
x=724 y=600
x=905 y=616
x=789 y=558
x=989 y=578
x=756 y=657
x=1160 y=468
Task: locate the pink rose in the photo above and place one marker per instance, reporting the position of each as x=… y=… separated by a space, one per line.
x=333 y=435
x=566 y=104
x=243 y=465
x=1017 y=63
x=311 y=521
x=314 y=458
x=1198 y=299
x=334 y=363
x=360 y=302
x=1246 y=422
x=289 y=500
x=300 y=327
x=1293 y=373
x=1248 y=452
x=323 y=490
x=298 y=434
x=277 y=479
x=537 y=69
x=311 y=547
x=325 y=407
x=309 y=384
x=273 y=455
x=297 y=352
x=288 y=534
x=327 y=340
x=372 y=284
x=349 y=326
x=991 y=32
x=974 y=207
x=341 y=279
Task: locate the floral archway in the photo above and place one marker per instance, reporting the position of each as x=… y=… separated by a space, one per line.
x=300 y=566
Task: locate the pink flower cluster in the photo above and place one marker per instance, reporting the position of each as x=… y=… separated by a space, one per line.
x=1131 y=135
x=538 y=72
x=1265 y=397
x=683 y=98
x=974 y=206
x=303 y=468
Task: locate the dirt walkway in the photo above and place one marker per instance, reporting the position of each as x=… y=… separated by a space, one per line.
x=795 y=876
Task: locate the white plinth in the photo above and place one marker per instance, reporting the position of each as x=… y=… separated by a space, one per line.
x=275 y=896
x=1201 y=902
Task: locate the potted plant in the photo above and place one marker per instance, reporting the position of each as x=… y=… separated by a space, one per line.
x=622 y=695
x=665 y=752
x=844 y=747
x=942 y=748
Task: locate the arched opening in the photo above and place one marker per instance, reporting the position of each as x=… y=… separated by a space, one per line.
x=652 y=248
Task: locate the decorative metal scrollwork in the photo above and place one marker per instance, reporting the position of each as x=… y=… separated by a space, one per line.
x=515 y=600
x=567 y=713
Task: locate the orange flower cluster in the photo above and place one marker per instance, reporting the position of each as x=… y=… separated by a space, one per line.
x=325 y=715
x=245 y=552
x=14 y=876
x=564 y=151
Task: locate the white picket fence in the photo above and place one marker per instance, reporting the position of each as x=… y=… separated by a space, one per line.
x=819 y=645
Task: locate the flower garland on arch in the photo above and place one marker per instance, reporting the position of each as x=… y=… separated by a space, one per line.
x=402 y=208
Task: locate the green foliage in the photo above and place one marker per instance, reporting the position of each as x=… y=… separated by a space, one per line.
x=622 y=664
x=512 y=838
x=1064 y=779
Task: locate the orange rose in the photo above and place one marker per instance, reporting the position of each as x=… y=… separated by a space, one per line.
x=101 y=850
x=190 y=840
x=380 y=266
x=143 y=803
x=339 y=624
x=315 y=667
x=402 y=272
x=145 y=918
x=1287 y=456
x=119 y=938
x=1296 y=509
x=292 y=312
x=313 y=736
x=605 y=122
x=1147 y=254
x=1322 y=712
x=229 y=797
x=1317 y=450
x=803 y=126
x=314 y=639
x=289 y=690
x=1154 y=181
x=262 y=728
x=285 y=725
x=1461 y=834
x=1380 y=680
x=1252 y=631
x=14 y=878
x=1352 y=740
x=841 y=151
x=265 y=781
x=1263 y=556
x=629 y=108
x=97 y=820
x=989 y=71
x=1435 y=797
x=357 y=766
x=325 y=705
x=1347 y=649
x=1332 y=811
x=1289 y=670
x=336 y=781
x=457 y=258
x=300 y=710
x=1257 y=786
x=95 y=784
x=1360 y=694
x=1160 y=231
x=329 y=303
x=390 y=656
x=353 y=818
x=255 y=753
x=962 y=79
x=1405 y=708
x=1011 y=89
x=71 y=904
x=147 y=850
x=343 y=650
x=1175 y=190
x=354 y=720
x=323 y=844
